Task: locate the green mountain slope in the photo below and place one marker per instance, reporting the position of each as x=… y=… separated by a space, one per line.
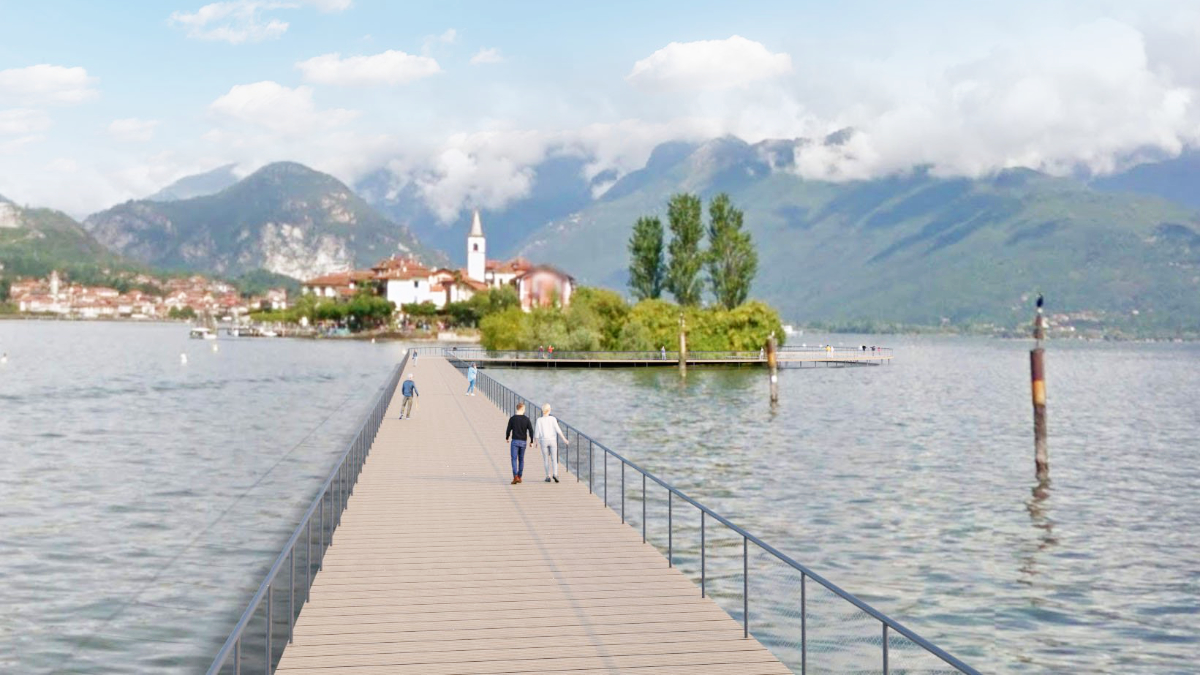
x=284 y=218
x=35 y=241
x=912 y=248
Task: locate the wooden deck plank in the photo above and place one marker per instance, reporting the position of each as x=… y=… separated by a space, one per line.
x=440 y=567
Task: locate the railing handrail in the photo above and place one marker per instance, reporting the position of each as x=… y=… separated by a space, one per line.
x=803 y=569
x=255 y=601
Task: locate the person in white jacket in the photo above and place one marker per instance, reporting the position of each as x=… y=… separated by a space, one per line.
x=547 y=432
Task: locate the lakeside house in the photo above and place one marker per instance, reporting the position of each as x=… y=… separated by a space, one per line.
x=405 y=281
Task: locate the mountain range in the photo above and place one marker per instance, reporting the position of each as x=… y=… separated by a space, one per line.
x=284 y=218
x=911 y=248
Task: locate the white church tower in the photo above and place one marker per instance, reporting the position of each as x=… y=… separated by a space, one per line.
x=476 y=249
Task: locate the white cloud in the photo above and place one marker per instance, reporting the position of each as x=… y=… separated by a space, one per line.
x=22 y=121
x=132 y=129
x=330 y=5
x=1088 y=97
x=235 y=22
x=275 y=108
x=390 y=67
x=46 y=84
x=488 y=55
x=708 y=64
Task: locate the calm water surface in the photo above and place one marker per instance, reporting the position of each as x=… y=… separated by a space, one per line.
x=911 y=485
x=141 y=500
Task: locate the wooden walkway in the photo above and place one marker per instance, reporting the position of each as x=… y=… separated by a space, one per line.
x=441 y=567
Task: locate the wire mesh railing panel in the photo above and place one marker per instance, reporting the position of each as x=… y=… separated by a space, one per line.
x=906 y=657
x=777 y=593
x=841 y=638
x=723 y=568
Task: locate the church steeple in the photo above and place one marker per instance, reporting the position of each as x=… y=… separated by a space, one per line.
x=476 y=225
x=476 y=249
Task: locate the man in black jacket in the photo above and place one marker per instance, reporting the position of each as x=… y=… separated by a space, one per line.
x=520 y=429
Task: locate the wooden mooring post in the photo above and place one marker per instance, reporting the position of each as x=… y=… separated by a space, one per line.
x=1037 y=372
x=682 y=346
x=773 y=368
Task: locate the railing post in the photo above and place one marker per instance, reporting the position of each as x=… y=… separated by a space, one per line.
x=321 y=534
x=643 y=508
x=885 y=650
x=237 y=657
x=308 y=561
x=803 y=625
x=606 y=478
x=292 y=594
x=670 y=528
x=703 y=589
x=745 y=587
x=267 y=669
x=622 y=493
x=591 y=463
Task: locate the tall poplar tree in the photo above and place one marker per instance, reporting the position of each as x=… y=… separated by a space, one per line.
x=687 y=260
x=646 y=269
x=732 y=260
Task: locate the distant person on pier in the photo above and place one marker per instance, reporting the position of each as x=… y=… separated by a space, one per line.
x=409 y=390
x=541 y=351
x=414 y=355
x=519 y=433
x=663 y=353
x=550 y=351
x=471 y=373
x=547 y=432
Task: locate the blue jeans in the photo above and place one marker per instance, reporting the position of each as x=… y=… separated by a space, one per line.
x=517 y=450
x=470 y=386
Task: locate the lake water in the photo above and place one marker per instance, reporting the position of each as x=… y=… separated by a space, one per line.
x=141 y=500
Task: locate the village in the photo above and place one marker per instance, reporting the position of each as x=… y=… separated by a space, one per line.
x=405 y=281
x=146 y=298
x=402 y=281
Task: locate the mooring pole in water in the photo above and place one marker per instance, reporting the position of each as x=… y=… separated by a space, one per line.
x=682 y=345
x=773 y=368
x=1037 y=372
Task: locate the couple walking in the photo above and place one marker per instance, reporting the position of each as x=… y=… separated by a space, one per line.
x=545 y=433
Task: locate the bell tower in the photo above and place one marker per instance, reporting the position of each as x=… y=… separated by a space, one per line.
x=476 y=249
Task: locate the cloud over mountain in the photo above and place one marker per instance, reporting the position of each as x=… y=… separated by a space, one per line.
x=708 y=64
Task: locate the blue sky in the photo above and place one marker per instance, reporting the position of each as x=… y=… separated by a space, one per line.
x=99 y=104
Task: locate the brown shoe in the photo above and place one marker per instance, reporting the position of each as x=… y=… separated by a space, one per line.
x=519 y=479
x=515 y=481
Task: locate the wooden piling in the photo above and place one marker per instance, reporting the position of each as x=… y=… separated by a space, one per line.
x=773 y=368
x=682 y=345
x=1037 y=372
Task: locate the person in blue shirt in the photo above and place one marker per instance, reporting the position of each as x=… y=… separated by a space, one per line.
x=409 y=389
x=471 y=373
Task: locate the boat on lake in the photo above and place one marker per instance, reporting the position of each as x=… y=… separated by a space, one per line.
x=202 y=333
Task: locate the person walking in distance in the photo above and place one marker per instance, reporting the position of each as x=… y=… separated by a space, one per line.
x=664 y=353
x=471 y=373
x=518 y=433
x=547 y=432
x=414 y=355
x=409 y=390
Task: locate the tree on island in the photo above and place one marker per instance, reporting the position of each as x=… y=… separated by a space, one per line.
x=732 y=259
x=646 y=271
x=687 y=260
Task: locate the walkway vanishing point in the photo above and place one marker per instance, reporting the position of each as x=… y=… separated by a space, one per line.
x=440 y=567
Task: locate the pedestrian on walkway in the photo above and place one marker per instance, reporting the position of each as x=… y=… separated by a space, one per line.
x=520 y=430
x=409 y=390
x=414 y=355
x=547 y=432
x=664 y=353
x=471 y=373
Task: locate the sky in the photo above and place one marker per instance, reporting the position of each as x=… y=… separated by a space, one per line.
x=104 y=102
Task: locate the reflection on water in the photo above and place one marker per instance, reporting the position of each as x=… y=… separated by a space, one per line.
x=912 y=485
x=141 y=500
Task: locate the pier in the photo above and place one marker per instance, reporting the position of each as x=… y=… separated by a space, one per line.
x=788 y=357
x=418 y=556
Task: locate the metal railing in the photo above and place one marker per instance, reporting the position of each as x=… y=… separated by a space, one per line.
x=802 y=617
x=257 y=641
